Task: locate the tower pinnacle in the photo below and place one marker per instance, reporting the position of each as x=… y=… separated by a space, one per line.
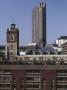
x=42 y=3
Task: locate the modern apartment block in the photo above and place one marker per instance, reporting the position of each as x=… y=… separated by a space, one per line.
x=39 y=25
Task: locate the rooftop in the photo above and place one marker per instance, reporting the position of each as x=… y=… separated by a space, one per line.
x=36 y=60
x=63 y=37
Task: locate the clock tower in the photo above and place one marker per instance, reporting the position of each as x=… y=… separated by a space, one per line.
x=12 y=42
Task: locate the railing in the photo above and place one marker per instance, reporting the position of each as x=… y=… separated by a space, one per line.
x=56 y=58
x=40 y=59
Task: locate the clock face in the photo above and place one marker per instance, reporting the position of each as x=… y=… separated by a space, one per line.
x=11 y=37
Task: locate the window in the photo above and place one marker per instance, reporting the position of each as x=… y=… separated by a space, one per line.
x=11 y=37
x=1 y=85
x=11 y=54
x=7 y=85
x=11 y=47
x=59 y=78
x=32 y=86
x=30 y=78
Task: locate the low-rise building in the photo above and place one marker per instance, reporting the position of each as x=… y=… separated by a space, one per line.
x=64 y=48
x=61 y=40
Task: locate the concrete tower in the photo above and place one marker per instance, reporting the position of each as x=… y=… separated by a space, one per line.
x=39 y=25
x=12 y=42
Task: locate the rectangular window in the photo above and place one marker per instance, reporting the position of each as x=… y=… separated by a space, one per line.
x=11 y=37
x=11 y=47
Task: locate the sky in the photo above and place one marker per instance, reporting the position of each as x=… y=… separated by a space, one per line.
x=20 y=13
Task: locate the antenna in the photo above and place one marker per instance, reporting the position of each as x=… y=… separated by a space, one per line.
x=12 y=20
x=42 y=1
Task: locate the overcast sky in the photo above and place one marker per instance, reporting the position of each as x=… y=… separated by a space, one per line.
x=21 y=11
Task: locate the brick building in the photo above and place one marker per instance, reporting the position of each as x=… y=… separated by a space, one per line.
x=40 y=73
